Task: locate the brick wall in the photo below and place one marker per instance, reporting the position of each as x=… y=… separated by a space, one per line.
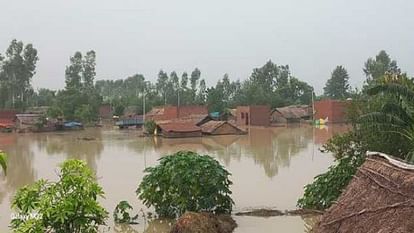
x=334 y=110
x=255 y=115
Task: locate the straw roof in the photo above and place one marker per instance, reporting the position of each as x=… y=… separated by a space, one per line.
x=380 y=198
x=294 y=111
x=211 y=126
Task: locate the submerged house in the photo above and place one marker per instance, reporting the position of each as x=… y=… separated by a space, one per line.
x=166 y=113
x=7 y=118
x=28 y=121
x=178 y=130
x=291 y=114
x=332 y=110
x=221 y=128
x=378 y=199
x=253 y=115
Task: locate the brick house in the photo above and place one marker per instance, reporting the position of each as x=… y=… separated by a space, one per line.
x=333 y=110
x=253 y=115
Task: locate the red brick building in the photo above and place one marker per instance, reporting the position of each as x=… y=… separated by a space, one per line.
x=174 y=112
x=254 y=115
x=105 y=111
x=333 y=110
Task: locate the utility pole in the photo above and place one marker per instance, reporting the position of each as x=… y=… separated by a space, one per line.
x=143 y=106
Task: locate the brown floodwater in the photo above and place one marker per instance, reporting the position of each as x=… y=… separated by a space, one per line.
x=269 y=168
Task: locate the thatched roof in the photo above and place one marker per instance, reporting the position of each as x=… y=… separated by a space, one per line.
x=179 y=127
x=211 y=126
x=294 y=111
x=380 y=198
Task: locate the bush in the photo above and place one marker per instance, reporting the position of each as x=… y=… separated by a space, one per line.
x=3 y=161
x=121 y=213
x=68 y=205
x=150 y=126
x=327 y=187
x=186 y=181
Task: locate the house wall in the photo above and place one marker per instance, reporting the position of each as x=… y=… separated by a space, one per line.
x=260 y=115
x=172 y=112
x=241 y=115
x=334 y=110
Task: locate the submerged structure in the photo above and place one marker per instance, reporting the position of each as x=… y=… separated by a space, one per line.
x=380 y=198
x=221 y=128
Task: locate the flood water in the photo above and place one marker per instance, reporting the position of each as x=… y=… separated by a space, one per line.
x=269 y=168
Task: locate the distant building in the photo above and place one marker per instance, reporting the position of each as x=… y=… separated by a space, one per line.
x=291 y=114
x=333 y=110
x=254 y=115
x=7 y=118
x=105 y=111
x=27 y=120
x=174 y=112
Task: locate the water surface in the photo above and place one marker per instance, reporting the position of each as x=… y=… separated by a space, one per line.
x=269 y=168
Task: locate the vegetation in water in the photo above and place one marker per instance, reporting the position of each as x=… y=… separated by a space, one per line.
x=150 y=126
x=122 y=215
x=186 y=181
x=68 y=205
x=3 y=161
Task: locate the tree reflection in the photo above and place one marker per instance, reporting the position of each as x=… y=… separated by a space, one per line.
x=85 y=145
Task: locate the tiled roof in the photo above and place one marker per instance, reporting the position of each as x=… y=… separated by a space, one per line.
x=179 y=127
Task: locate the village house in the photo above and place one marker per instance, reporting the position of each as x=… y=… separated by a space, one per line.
x=332 y=110
x=254 y=115
x=174 y=112
x=7 y=118
x=178 y=130
x=220 y=128
x=291 y=114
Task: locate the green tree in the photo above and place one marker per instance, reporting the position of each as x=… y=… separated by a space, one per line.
x=375 y=68
x=337 y=87
x=80 y=99
x=45 y=97
x=16 y=72
x=194 y=79
x=68 y=205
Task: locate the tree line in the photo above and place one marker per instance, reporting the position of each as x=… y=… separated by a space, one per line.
x=270 y=84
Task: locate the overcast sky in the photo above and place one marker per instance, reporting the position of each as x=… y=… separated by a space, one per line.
x=217 y=36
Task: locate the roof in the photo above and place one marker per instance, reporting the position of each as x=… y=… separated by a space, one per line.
x=195 y=119
x=156 y=111
x=294 y=111
x=380 y=198
x=179 y=127
x=210 y=126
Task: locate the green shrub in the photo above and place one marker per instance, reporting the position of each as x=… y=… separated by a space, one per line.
x=121 y=214
x=186 y=181
x=3 y=161
x=150 y=126
x=68 y=206
x=327 y=187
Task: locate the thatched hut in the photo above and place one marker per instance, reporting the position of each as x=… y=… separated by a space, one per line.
x=380 y=198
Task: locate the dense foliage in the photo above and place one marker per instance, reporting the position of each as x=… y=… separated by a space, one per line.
x=382 y=117
x=186 y=181
x=3 y=161
x=150 y=126
x=68 y=206
x=121 y=213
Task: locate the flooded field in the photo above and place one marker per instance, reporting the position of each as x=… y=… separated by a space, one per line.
x=269 y=168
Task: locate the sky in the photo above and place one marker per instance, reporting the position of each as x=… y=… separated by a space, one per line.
x=217 y=36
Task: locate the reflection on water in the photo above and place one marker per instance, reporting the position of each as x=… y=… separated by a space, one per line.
x=269 y=167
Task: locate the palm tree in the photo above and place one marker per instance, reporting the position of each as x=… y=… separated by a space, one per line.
x=3 y=161
x=390 y=125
